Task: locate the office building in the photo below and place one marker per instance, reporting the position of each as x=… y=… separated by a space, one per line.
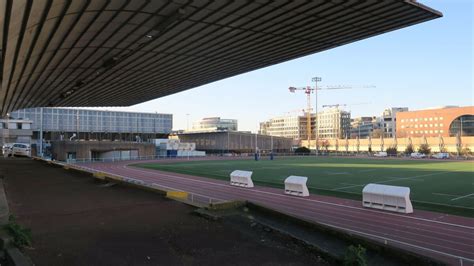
x=291 y=126
x=210 y=124
x=447 y=121
x=363 y=127
x=388 y=121
x=73 y=123
x=15 y=131
x=334 y=123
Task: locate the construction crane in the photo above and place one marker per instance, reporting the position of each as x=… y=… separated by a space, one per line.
x=308 y=90
x=342 y=104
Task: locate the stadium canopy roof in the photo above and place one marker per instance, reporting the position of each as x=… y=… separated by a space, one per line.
x=123 y=52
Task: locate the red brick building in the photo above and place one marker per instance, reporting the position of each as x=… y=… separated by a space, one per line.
x=447 y=121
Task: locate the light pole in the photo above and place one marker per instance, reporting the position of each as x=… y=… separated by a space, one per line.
x=187 y=122
x=316 y=80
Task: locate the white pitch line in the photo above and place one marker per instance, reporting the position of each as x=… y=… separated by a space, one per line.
x=444 y=194
x=395 y=179
x=337 y=173
x=367 y=170
x=462 y=197
x=351 y=186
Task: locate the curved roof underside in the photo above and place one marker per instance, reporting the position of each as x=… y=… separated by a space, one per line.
x=123 y=52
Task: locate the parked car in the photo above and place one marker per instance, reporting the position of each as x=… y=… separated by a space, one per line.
x=21 y=149
x=7 y=149
x=381 y=154
x=441 y=155
x=417 y=155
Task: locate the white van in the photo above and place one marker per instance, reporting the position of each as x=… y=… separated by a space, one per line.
x=441 y=155
x=417 y=155
x=381 y=154
x=21 y=149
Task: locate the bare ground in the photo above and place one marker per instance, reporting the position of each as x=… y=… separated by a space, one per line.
x=76 y=220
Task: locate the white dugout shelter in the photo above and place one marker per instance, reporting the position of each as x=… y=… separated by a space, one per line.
x=296 y=185
x=241 y=178
x=385 y=197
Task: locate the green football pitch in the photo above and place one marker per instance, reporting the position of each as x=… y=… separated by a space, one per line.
x=444 y=186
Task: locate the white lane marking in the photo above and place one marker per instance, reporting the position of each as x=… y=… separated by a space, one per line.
x=311 y=200
x=401 y=242
x=462 y=197
x=212 y=183
x=301 y=213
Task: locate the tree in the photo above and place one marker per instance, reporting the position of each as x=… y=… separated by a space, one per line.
x=466 y=151
x=355 y=256
x=325 y=145
x=302 y=150
x=424 y=148
x=409 y=149
x=392 y=151
x=376 y=133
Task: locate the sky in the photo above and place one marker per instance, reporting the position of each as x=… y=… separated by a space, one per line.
x=422 y=66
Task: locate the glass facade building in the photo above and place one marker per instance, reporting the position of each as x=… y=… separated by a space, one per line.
x=72 y=120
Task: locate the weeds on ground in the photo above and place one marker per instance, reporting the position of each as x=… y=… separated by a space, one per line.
x=21 y=236
x=355 y=256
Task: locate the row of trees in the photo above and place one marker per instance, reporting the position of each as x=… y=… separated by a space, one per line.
x=423 y=148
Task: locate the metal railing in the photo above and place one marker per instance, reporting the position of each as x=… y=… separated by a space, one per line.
x=249 y=155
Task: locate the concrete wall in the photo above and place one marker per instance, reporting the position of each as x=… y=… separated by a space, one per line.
x=84 y=149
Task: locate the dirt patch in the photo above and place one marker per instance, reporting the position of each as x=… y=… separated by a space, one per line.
x=75 y=220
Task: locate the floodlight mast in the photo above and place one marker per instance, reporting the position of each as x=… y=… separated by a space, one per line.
x=316 y=119
x=308 y=90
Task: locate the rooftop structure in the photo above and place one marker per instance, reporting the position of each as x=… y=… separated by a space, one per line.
x=120 y=53
x=214 y=124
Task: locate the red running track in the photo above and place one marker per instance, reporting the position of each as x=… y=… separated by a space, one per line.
x=441 y=236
